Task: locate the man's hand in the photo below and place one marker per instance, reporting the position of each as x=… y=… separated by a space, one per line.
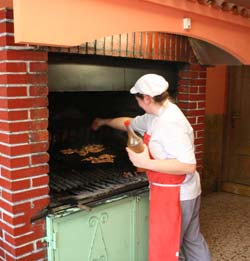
x=97 y=123
x=139 y=159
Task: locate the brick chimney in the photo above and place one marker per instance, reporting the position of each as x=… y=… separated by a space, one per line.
x=191 y=97
x=23 y=145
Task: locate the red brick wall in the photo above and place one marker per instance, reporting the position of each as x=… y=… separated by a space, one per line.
x=23 y=146
x=191 y=97
x=24 y=122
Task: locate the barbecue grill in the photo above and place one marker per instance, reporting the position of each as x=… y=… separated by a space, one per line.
x=73 y=181
x=94 y=204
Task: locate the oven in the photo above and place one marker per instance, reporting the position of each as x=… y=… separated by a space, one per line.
x=98 y=210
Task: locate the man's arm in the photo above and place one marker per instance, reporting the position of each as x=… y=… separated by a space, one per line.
x=116 y=123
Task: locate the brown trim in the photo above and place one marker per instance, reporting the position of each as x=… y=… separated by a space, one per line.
x=235 y=188
x=223 y=177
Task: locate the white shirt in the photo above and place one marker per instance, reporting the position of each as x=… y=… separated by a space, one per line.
x=171 y=138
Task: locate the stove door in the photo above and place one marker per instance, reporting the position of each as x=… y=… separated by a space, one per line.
x=115 y=230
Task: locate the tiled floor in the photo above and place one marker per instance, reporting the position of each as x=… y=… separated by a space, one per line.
x=225 y=223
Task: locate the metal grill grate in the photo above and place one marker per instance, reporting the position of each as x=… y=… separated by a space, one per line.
x=72 y=178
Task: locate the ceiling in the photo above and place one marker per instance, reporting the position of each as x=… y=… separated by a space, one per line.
x=218 y=3
x=239 y=7
x=244 y=3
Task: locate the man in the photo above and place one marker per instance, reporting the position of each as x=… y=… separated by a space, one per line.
x=170 y=162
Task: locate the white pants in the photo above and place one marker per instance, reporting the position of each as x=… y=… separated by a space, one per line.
x=193 y=244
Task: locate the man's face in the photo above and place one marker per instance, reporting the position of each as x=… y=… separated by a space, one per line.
x=144 y=103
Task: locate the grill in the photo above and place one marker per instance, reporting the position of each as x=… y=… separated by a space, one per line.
x=73 y=181
x=71 y=178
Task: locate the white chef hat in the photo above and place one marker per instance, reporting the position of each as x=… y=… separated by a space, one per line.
x=150 y=84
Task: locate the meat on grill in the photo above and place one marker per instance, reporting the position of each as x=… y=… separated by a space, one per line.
x=103 y=158
x=93 y=149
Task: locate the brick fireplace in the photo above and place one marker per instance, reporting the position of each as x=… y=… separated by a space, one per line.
x=24 y=121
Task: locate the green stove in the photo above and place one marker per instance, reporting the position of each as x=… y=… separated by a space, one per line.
x=115 y=229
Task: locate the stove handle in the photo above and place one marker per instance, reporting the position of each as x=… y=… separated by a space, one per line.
x=83 y=207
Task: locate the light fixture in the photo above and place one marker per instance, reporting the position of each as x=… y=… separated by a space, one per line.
x=186 y=23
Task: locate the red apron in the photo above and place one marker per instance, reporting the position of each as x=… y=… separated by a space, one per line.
x=164 y=214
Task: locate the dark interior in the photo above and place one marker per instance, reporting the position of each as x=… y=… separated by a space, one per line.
x=71 y=113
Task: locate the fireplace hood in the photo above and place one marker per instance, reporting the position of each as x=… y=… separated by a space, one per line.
x=76 y=73
x=208 y=54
